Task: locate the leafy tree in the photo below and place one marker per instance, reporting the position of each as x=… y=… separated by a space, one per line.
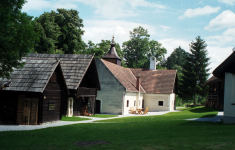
x=49 y=33
x=91 y=48
x=195 y=71
x=177 y=57
x=70 y=40
x=60 y=32
x=17 y=36
x=139 y=49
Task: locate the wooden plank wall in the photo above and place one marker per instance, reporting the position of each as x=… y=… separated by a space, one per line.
x=54 y=93
x=9 y=103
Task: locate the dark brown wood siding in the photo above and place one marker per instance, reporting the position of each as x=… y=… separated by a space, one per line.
x=51 y=95
x=54 y=93
x=9 y=103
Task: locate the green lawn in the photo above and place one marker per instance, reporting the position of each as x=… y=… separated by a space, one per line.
x=167 y=132
x=104 y=116
x=74 y=119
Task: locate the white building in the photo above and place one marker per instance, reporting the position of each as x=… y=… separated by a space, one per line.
x=122 y=88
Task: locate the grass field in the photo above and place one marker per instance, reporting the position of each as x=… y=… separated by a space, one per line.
x=73 y=119
x=167 y=132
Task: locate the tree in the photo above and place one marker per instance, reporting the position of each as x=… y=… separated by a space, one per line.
x=70 y=23
x=17 y=36
x=91 y=48
x=177 y=57
x=49 y=32
x=60 y=32
x=139 y=49
x=195 y=71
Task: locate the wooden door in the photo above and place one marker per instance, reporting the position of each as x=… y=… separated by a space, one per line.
x=34 y=111
x=20 y=110
x=26 y=113
x=27 y=110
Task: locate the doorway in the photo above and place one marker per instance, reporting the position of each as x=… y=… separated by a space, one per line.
x=27 y=111
x=97 y=106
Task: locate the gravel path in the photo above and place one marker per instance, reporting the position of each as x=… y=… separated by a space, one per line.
x=62 y=123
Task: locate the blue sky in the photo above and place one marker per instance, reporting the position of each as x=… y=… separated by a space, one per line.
x=173 y=23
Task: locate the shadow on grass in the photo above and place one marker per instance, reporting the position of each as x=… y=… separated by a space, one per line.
x=208 y=116
x=201 y=109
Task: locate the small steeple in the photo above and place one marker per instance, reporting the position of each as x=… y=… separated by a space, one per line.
x=112 y=55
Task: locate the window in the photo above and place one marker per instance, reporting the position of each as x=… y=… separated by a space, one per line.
x=134 y=102
x=51 y=106
x=127 y=103
x=160 y=103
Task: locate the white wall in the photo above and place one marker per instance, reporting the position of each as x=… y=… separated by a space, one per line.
x=152 y=101
x=131 y=96
x=229 y=95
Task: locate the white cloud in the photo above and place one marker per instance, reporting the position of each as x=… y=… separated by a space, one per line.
x=33 y=5
x=224 y=20
x=109 y=9
x=189 y=13
x=96 y=30
x=171 y=43
x=229 y=2
x=164 y=27
x=226 y=37
x=119 y=8
x=218 y=55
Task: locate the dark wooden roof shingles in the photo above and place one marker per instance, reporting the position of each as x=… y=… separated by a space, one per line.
x=73 y=66
x=33 y=77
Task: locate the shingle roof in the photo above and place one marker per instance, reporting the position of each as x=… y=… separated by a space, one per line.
x=220 y=70
x=124 y=75
x=73 y=66
x=158 y=81
x=33 y=77
x=212 y=79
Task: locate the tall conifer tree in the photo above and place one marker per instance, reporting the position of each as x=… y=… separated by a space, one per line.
x=195 y=71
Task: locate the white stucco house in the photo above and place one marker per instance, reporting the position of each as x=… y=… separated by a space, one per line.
x=226 y=73
x=123 y=88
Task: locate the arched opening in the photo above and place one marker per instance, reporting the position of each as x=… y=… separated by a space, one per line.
x=97 y=106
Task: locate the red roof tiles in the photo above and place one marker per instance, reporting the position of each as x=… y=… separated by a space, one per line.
x=158 y=81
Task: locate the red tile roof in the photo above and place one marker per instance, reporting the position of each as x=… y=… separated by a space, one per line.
x=124 y=76
x=159 y=81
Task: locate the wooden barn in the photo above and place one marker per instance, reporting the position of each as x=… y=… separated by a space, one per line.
x=215 y=98
x=48 y=87
x=33 y=94
x=82 y=79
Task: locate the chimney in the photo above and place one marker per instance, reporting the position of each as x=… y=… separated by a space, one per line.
x=153 y=63
x=138 y=81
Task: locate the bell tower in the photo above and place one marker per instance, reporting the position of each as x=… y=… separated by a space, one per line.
x=112 y=55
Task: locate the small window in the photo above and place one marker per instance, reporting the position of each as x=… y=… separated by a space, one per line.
x=134 y=102
x=51 y=106
x=127 y=103
x=160 y=103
